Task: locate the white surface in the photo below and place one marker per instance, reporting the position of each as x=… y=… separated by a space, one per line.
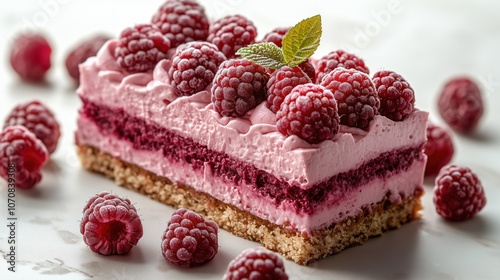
x=425 y=41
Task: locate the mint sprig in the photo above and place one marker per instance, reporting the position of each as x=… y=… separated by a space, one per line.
x=300 y=43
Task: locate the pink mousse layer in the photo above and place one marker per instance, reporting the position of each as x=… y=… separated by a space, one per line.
x=331 y=210
x=253 y=138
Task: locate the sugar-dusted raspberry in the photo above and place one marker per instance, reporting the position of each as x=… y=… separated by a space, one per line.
x=38 y=119
x=276 y=35
x=397 y=98
x=458 y=194
x=22 y=157
x=256 y=263
x=280 y=84
x=110 y=224
x=140 y=48
x=336 y=59
x=356 y=96
x=189 y=239
x=239 y=86
x=231 y=33
x=439 y=148
x=182 y=21
x=30 y=56
x=460 y=104
x=310 y=112
x=81 y=52
x=194 y=66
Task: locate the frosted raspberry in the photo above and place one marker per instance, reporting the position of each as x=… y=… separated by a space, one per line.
x=356 y=96
x=194 y=66
x=110 y=224
x=397 y=98
x=30 y=56
x=239 y=86
x=38 y=119
x=189 y=239
x=81 y=52
x=458 y=194
x=276 y=35
x=182 y=21
x=460 y=104
x=231 y=33
x=256 y=263
x=140 y=48
x=310 y=112
x=22 y=155
x=337 y=59
x=439 y=148
x=281 y=83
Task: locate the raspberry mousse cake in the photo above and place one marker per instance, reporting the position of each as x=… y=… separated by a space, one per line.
x=192 y=127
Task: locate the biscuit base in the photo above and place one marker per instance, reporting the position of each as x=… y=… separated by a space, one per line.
x=302 y=248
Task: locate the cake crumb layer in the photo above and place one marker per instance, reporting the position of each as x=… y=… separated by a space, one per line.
x=302 y=248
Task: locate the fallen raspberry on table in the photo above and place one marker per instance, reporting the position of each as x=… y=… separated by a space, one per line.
x=140 y=48
x=22 y=155
x=458 y=194
x=182 y=21
x=239 y=86
x=336 y=59
x=81 y=52
x=189 y=239
x=280 y=84
x=38 y=119
x=110 y=224
x=194 y=66
x=397 y=98
x=276 y=35
x=231 y=33
x=310 y=112
x=256 y=263
x=30 y=56
x=356 y=96
x=460 y=104
x=438 y=148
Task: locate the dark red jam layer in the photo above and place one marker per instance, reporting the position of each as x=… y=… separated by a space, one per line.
x=151 y=137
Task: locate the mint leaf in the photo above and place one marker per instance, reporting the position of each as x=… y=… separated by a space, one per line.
x=265 y=54
x=302 y=41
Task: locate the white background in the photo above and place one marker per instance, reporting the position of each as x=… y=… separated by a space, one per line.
x=425 y=41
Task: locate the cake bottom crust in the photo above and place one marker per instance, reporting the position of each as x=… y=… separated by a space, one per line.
x=302 y=248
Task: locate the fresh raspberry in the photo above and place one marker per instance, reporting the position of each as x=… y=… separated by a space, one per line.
x=336 y=59
x=110 y=224
x=397 y=98
x=309 y=69
x=182 y=21
x=310 y=112
x=256 y=263
x=239 y=86
x=281 y=83
x=22 y=157
x=194 y=66
x=189 y=239
x=81 y=52
x=276 y=35
x=140 y=48
x=439 y=149
x=458 y=194
x=231 y=33
x=30 y=56
x=38 y=119
x=355 y=94
x=460 y=104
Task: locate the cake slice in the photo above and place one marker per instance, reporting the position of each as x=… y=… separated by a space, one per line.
x=303 y=200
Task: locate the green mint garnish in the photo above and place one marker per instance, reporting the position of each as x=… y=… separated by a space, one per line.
x=302 y=41
x=265 y=54
x=299 y=44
